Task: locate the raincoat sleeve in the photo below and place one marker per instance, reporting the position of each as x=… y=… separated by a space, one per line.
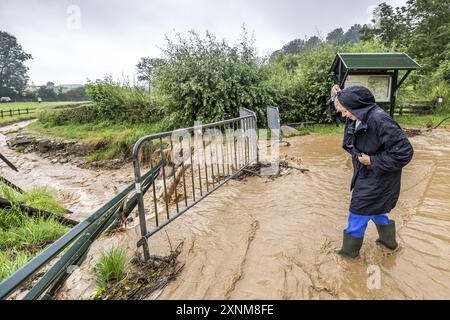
x=334 y=113
x=396 y=152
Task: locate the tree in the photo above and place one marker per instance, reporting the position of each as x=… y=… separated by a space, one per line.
x=13 y=72
x=391 y=25
x=146 y=69
x=336 y=37
x=430 y=20
x=46 y=92
x=312 y=42
x=422 y=28
x=353 y=34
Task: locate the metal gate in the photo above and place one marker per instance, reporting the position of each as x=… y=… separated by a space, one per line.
x=273 y=121
x=198 y=161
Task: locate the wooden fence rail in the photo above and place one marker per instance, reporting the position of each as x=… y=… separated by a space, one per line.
x=416 y=107
x=16 y=112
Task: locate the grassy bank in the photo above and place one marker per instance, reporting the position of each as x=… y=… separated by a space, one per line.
x=42 y=105
x=421 y=121
x=21 y=236
x=113 y=141
x=6 y=106
x=110 y=140
x=409 y=121
x=9 y=120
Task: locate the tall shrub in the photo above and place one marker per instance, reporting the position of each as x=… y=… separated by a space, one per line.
x=203 y=79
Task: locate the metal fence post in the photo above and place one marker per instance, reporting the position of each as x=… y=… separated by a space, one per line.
x=140 y=203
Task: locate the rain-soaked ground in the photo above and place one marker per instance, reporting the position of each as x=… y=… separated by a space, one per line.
x=81 y=190
x=260 y=239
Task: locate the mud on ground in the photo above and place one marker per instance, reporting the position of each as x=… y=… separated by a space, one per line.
x=259 y=239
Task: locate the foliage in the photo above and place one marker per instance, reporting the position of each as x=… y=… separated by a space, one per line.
x=22 y=236
x=39 y=198
x=111 y=266
x=335 y=37
x=13 y=72
x=146 y=69
x=421 y=28
x=111 y=140
x=83 y=114
x=118 y=102
x=202 y=79
x=301 y=92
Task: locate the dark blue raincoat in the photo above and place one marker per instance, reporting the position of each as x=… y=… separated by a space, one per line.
x=376 y=188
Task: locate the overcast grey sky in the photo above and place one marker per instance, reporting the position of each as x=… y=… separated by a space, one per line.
x=111 y=35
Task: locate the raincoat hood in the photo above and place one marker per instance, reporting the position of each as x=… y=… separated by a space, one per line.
x=358 y=100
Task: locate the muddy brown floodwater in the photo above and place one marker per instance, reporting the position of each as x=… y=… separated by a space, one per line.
x=275 y=240
x=262 y=239
x=81 y=190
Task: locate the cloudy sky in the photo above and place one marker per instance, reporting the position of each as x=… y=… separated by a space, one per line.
x=74 y=40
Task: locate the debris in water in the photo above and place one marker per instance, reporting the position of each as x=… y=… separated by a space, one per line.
x=412 y=132
x=286 y=165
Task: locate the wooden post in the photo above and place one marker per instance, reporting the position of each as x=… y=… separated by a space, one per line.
x=393 y=93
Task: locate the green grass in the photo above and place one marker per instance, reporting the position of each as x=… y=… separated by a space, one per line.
x=39 y=198
x=111 y=267
x=7 y=120
x=22 y=236
x=117 y=140
x=42 y=105
x=417 y=121
x=6 y=106
x=322 y=129
x=11 y=262
x=414 y=121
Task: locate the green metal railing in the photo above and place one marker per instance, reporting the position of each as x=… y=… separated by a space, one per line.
x=76 y=242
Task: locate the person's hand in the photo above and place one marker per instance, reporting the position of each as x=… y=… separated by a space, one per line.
x=334 y=90
x=364 y=159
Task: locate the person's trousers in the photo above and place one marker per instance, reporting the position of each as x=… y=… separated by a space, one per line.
x=357 y=224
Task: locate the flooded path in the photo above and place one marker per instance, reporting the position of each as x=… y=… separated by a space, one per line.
x=81 y=190
x=262 y=239
x=275 y=240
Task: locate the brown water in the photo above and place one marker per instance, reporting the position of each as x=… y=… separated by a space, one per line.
x=261 y=239
x=81 y=190
x=275 y=240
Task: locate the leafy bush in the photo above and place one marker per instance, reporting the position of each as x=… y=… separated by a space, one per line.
x=83 y=114
x=122 y=103
x=301 y=94
x=203 y=79
x=112 y=101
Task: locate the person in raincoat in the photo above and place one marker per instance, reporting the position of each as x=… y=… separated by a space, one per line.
x=379 y=150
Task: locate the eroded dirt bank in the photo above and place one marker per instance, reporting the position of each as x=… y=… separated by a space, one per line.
x=262 y=239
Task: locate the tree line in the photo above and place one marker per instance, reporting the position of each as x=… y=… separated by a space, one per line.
x=200 y=77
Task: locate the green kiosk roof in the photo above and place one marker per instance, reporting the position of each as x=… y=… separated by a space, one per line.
x=376 y=61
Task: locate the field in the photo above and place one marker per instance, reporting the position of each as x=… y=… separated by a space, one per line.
x=5 y=117
x=42 y=105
